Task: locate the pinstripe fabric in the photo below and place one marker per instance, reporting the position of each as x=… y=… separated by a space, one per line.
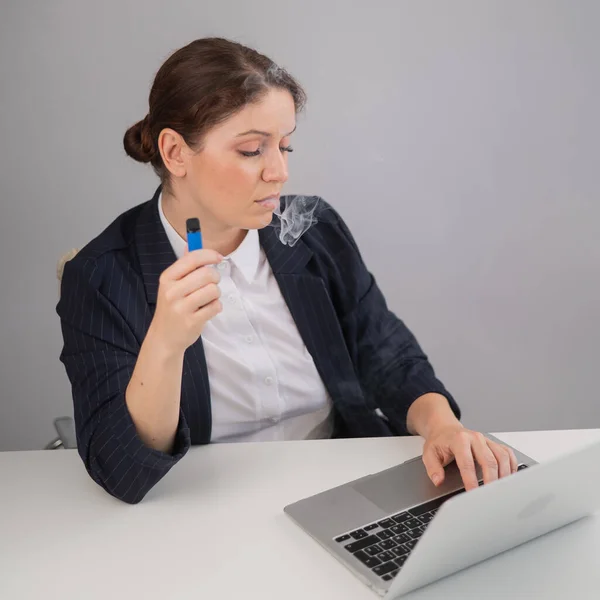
x=365 y=355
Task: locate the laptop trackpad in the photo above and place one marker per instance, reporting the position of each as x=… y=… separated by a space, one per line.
x=404 y=486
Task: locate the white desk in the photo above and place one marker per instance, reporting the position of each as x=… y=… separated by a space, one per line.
x=214 y=528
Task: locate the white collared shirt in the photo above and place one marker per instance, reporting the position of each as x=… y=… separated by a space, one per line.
x=263 y=382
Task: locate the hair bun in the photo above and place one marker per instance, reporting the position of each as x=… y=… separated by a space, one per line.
x=138 y=142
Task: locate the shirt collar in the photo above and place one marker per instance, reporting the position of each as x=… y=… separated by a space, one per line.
x=245 y=257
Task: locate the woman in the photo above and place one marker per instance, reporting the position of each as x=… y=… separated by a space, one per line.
x=249 y=338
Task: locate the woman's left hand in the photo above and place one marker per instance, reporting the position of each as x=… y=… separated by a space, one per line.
x=466 y=447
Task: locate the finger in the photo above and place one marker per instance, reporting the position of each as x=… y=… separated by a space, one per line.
x=194 y=281
x=502 y=458
x=433 y=465
x=190 y=262
x=485 y=457
x=463 y=455
x=210 y=310
x=200 y=298
x=514 y=463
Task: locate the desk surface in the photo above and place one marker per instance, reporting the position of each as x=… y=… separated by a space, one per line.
x=214 y=528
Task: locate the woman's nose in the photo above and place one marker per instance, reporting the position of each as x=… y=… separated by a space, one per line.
x=276 y=169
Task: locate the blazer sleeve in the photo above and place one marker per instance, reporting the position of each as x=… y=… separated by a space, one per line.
x=392 y=368
x=99 y=355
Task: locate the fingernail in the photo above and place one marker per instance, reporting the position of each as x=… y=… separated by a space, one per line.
x=436 y=479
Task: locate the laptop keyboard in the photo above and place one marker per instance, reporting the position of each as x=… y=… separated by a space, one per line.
x=383 y=546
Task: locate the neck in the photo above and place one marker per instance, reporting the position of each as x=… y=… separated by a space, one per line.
x=215 y=236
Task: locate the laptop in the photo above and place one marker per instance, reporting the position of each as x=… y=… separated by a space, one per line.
x=397 y=532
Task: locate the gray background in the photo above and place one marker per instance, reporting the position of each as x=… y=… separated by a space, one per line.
x=458 y=139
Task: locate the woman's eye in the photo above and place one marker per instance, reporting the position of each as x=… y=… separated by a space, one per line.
x=258 y=152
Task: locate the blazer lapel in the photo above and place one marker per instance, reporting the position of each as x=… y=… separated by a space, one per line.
x=155 y=255
x=153 y=247
x=313 y=312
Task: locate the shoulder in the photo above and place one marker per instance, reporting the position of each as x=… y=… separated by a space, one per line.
x=116 y=236
x=320 y=226
x=103 y=253
x=335 y=257
x=314 y=220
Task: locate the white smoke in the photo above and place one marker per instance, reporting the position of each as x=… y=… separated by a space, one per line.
x=298 y=215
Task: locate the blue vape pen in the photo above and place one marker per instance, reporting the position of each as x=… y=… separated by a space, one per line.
x=194 y=235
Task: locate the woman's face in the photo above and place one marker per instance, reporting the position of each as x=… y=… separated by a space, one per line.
x=236 y=178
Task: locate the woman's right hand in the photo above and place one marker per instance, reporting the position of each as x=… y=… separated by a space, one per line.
x=188 y=296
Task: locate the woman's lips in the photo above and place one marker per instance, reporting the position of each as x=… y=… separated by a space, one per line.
x=269 y=203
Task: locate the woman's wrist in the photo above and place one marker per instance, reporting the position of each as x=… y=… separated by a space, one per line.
x=430 y=413
x=159 y=345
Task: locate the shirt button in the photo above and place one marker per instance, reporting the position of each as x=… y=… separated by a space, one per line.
x=274 y=419
x=269 y=380
x=222 y=266
x=231 y=298
x=249 y=339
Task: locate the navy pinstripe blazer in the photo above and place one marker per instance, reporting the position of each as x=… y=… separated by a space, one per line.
x=366 y=356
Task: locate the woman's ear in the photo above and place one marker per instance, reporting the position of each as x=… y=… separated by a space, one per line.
x=172 y=148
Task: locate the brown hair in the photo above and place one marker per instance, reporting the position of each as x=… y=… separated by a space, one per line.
x=199 y=86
